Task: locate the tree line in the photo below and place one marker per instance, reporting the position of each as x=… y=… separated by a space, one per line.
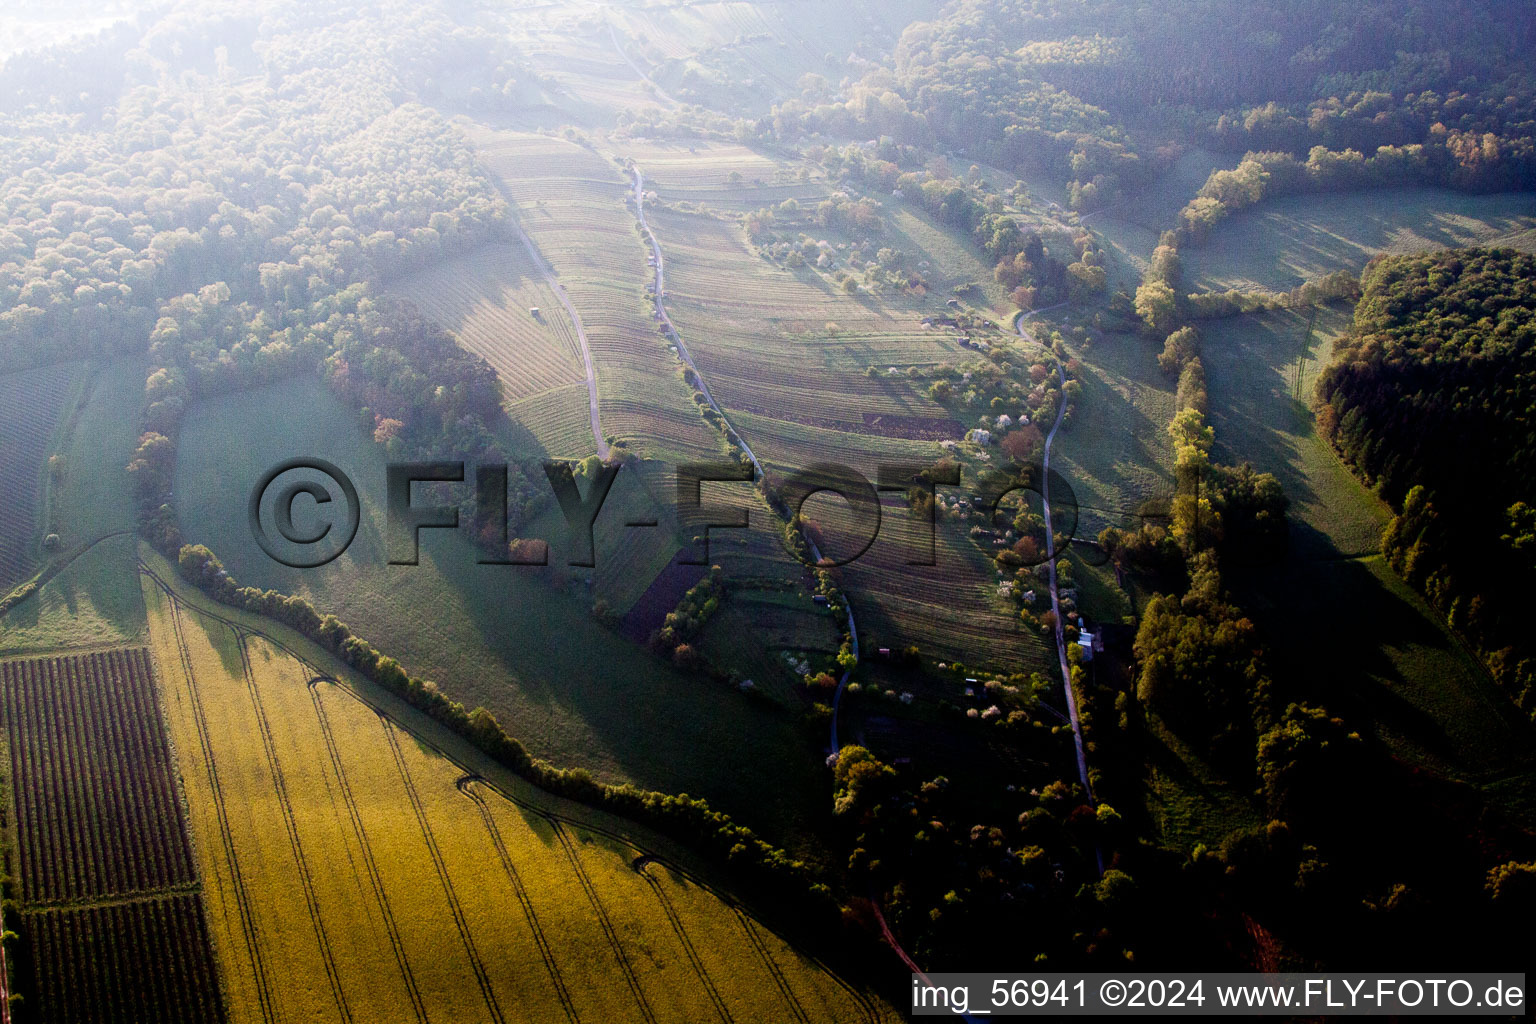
x=1202 y=672
x=1429 y=400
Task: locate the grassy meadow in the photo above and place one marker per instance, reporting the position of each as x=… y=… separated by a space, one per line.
x=1392 y=662
x=745 y=53
x=520 y=640
x=430 y=882
x=1114 y=451
x=1281 y=243
x=85 y=592
x=1261 y=385
x=31 y=404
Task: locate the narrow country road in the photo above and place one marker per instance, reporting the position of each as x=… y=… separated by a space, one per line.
x=581 y=334
x=1050 y=555
x=617 y=45
x=731 y=432
x=671 y=331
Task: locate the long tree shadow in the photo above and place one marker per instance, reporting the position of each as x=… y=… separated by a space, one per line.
x=1341 y=638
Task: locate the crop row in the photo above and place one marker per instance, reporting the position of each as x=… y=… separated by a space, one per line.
x=147 y=961
x=97 y=807
x=486 y=301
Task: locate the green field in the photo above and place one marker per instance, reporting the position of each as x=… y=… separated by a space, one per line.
x=1281 y=243
x=1115 y=453
x=1261 y=388
x=432 y=884
x=85 y=591
x=1391 y=662
x=31 y=405
x=519 y=640
x=783 y=626
x=1390 y=659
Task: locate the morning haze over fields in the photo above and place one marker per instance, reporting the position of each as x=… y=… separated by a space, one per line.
x=680 y=511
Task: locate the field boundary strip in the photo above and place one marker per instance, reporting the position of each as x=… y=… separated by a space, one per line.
x=729 y=900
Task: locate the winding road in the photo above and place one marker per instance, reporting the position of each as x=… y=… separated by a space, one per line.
x=617 y=45
x=735 y=436
x=1050 y=555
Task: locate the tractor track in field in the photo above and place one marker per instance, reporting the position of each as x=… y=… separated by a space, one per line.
x=242 y=895
x=774 y=970
x=280 y=785
x=455 y=907
x=465 y=785
x=375 y=879
x=574 y=856
x=554 y=817
x=639 y=866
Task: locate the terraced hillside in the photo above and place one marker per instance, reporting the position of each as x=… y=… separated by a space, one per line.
x=486 y=300
x=570 y=201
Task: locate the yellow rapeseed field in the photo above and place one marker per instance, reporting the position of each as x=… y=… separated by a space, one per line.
x=356 y=872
